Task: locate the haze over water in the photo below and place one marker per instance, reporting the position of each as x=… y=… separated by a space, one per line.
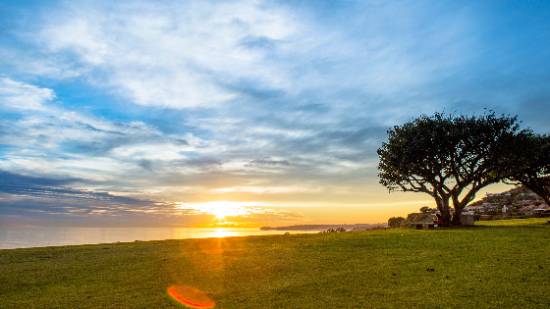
x=23 y=237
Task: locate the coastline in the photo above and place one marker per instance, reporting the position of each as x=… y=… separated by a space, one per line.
x=38 y=236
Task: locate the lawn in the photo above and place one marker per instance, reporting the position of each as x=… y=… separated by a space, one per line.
x=503 y=265
x=514 y=222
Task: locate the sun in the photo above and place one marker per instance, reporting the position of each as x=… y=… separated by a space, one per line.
x=221 y=209
x=221 y=212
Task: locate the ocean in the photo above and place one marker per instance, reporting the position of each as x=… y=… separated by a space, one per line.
x=39 y=236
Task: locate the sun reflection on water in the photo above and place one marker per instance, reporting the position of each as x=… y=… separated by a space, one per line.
x=222 y=232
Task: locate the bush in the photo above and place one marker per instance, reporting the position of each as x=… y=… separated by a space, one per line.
x=334 y=230
x=396 y=221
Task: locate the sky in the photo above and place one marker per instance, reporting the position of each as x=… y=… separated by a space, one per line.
x=190 y=113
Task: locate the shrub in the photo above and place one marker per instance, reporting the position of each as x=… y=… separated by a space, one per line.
x=396 y=221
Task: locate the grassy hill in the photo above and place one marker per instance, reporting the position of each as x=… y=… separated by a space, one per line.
x=505 y=265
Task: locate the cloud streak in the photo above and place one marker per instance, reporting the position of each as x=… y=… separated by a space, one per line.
x=29 y=198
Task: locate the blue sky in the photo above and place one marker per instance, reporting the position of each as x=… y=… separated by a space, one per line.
x=121 y=112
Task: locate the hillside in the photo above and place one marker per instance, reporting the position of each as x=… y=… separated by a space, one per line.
x=519 y=201
x=505 y=266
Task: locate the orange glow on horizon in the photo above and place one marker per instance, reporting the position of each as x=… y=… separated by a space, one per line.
x=190 y=296
x=221 y=209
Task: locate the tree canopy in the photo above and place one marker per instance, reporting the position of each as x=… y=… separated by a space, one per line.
x=448 y=157
x=529 y=163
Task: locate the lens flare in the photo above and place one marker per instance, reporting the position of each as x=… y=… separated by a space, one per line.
x=190 y=296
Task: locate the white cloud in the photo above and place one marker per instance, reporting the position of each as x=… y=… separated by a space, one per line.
x=23 y=96
x=268 y=189
x=203 y=54
x=50 y=139
x=151 y=150
x=174 y=55
x=29 y=63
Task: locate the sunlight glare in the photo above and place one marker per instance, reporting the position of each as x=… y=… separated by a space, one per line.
x=222 y=209
x=222 y=232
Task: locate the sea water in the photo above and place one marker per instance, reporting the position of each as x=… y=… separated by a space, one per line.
x=39 y=236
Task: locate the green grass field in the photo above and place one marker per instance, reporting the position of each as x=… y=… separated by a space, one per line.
x=503 y=264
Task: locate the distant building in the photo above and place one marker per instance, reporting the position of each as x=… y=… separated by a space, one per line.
x=542 y=212
x=516 y=203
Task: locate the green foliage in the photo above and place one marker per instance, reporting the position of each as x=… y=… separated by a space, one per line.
x=396 y=221
x=530 y=162
x=448 y=157
x=479 y=267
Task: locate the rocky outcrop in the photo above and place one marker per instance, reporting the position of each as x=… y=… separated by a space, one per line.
x=519 y=201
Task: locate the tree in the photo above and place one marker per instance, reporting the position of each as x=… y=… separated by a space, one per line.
x=395 y=221
x=530 y=162
x=448 y=157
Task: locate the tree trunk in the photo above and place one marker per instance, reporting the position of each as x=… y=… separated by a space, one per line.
x=443 y=207
x=456 y=216
x=446 y=217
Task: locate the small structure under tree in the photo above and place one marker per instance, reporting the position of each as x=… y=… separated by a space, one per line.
x=421 y=220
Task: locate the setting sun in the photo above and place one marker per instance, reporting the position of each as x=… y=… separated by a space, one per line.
x=221 y=209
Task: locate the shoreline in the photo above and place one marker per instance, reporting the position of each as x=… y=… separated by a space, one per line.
x=213 y=233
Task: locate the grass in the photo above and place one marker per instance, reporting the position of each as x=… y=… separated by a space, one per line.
x=495 y=266
x=514 y=222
